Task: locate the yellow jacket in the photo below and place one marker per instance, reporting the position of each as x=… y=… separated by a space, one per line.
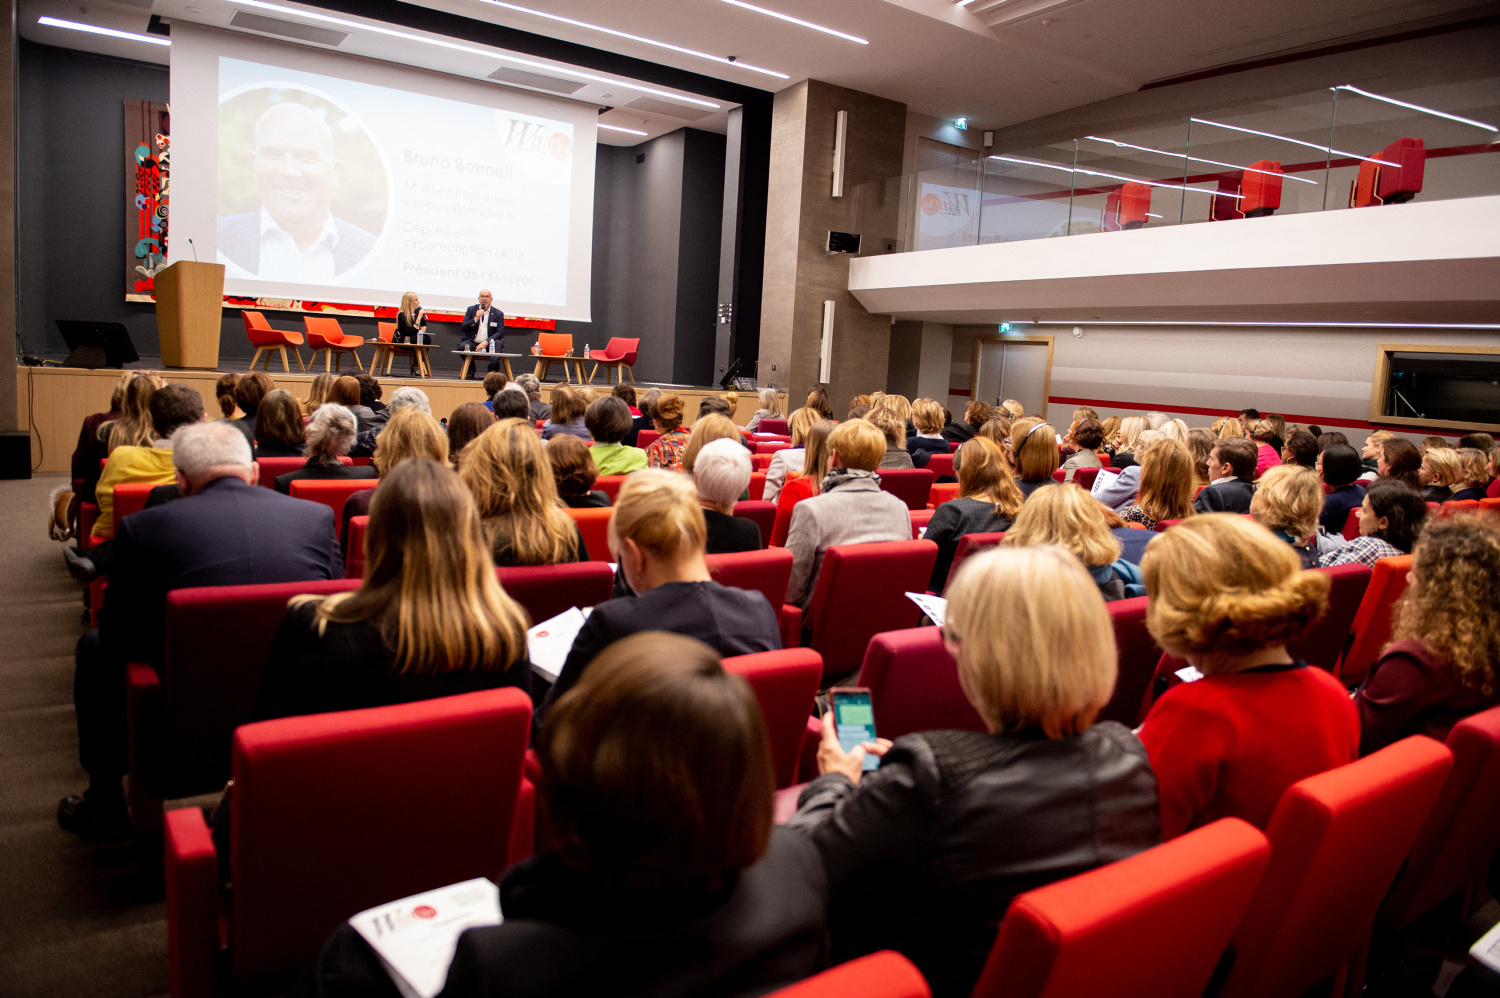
x=152 y=465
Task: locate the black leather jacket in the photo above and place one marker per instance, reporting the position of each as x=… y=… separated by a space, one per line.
x=926 y=854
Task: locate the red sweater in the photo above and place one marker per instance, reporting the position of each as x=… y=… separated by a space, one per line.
x=1227 y=746
x=793 y=492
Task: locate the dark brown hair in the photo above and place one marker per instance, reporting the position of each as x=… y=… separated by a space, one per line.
x=976 y=414
x=224 y=388
x=250 y=389
x=608 y=419
x=1240 y=454
x=279 y=420
x=568 y=404
x=1402 y=462
x=1088 y=434
x=624 y=393
x=494 y=382
x=173 y=407
x=1301 y=448
x=656 y=769
x=573 y=468
x=464 y=424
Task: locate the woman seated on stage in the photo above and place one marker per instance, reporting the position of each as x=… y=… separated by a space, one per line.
x=407 y=434
x=574 y=473
x=429 y=619
x=988 y=501
x=609 y=422
x=508 y=472
x=721 y=472
x=330 y=434
x=666 y=880
x=807 y=484
x=925 y=853
x=666 y=450
x=464 y=424
x=279 y=428
x=411 y=325
x=569 y=405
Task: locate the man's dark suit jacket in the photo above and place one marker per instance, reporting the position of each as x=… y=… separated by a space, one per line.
x=1226 y=497
x=469 y=329
x=229 y=534
x=239 y=240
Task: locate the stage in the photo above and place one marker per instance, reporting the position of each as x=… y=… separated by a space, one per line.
x=53 y=401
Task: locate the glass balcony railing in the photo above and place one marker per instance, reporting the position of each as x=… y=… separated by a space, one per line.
x=1346 y=147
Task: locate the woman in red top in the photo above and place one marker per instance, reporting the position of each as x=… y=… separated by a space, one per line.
x=1228 y=596
x=1440 y=666
x=806 y=485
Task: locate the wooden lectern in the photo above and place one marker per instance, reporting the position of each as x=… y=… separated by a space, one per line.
x=189 y=305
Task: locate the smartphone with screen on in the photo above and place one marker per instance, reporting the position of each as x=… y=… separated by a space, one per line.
x=854 y=720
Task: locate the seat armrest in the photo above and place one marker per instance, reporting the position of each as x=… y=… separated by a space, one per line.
x=523 y=836
x=144 y=716
x=192 y=905
x=791 y=626
x=807 y=763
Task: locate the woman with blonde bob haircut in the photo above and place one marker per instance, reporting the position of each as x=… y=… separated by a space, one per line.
x=1288 y=502
x=1069 y=517
x=507 y=470
x=1228 y=596
x=954 y=824
x=1166 y=485
x=1033 y=448
x=428 y=620
x=657 y=534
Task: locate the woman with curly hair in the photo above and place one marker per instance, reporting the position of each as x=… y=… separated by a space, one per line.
x=666 y=450
x=1440 y=665
x=1228 y=596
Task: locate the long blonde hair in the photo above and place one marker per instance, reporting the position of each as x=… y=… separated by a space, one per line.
x=407 y=309
x=322 y=387
x=815 y=459
x=984 y=473
x=510 y=477
x=770 y=401
x=1166 y=489
x=429 y=584
x=133 y=428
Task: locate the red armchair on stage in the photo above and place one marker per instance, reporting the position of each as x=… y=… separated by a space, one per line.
x=327 y=337
x=620 y=354
x=265 y=340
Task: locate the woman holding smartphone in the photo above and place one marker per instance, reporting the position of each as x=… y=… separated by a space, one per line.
x=954 y=824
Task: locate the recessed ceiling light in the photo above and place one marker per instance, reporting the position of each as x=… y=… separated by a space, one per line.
x=94 y=29
x=637 y=38
x=617 y=128
x=456 y=47
x=797 y=20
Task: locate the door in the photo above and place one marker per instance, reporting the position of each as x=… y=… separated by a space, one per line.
x=1007 y=368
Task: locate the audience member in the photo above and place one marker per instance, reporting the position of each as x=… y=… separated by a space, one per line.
x=721 y=473
x=1033 y=448
x=569 y=405
x=731 y=399
x=330 y=435
x=181 y=545
x=899 y=405
x=317 y=393
x=666 y=450
x=1088 y=436
x=807 y=483
x=1278 y=432
x=1133 y=539
x=850 y=507
x=988 y=501
x=1390 y=519
x=92 y=449
x=710 y=427
x=644 y=420
x=429 y=620
x=626 y=393
x=1232 y=429
x=712 y=405
x=1016 y=409
x=1249 y=417
x=508 y=473
x=345 y=392
x=860 y=412
x=1370 y=454
x=370 y=392
x=1118 y=489
x=1200 y=443
x=1072 y=519
x=409 y=433
x=224 y=390
x=279 y=428
x=464 y=424
x=1441 y=472
x=1231 y=471
x=494 y=384
x=1479 y=441
x=1111 y=430
x=1327 y=440
x=1301 y=448
x=1493 y=492
x=888 y=422
x=574 y=473
x=770 y=408
x=1266 y=455
x=511 y=402
x=1172 y=429
x=1400 y=461
x=402 y=398
x=1434 y=441
x=1126 y=437
x=1339 y=468
x=927 y=415
x=248 y=392
x=1166 y=485
x=171 y=408
x=954 y=824
x=817 y=401
x=608 y=421
x=658 y=536
x=1440 y=665
x=1229 y=597
x=976 y=414
x=788 y=462
x=1476 y=474
x=1287 y=503
x=533 y=388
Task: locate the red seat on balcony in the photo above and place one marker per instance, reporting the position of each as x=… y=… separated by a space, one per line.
x=1262 y=191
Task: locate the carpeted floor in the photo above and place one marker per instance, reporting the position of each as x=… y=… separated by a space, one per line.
x=75 y=918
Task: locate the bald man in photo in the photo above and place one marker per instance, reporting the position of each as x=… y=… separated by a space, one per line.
x=294 y=235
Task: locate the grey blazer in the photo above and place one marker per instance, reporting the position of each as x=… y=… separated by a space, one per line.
x=855 y=511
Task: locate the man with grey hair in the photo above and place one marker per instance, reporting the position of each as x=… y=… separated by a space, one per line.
x=533 y=389
x=225 y=531
x=401 y=398
x=721 y=473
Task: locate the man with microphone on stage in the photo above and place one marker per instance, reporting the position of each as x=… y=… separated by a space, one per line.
x=483 y=331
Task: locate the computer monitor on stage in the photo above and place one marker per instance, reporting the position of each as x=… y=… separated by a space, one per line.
x=97 y=344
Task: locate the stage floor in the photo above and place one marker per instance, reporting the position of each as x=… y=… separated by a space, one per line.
x=53 y=401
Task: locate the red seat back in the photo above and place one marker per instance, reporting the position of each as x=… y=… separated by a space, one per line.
x=761 y=462
x=757 y=484
x=1059 y=475
x=1455 y=506
x=942 y=492
x=610 y=485
x=1135 y=203
x=270 y=467
x=331 y=492
x=593 y=523
x=860 y=591
x=130 y=497
x=1363 y=189
x=354 y=552
x=554 y=344
x=261 y=334
x=1084 y=477
x=1454 y=847
x=785 y=683
x=624 y=350
x=1404 y=181
x=914 y=686
x=770 y=425
x=323 y=331
x=886 y=974
x=1337 y=840
x=767 y=570
x=1262 y=191
x=771 y=446
x=336 y=813
x=1137 y=654
x=1325 y=642
x=646 y=438
x=919 y=520
x=762 y=513
x=912 y=486
x=941 y=465
x=1111 y=219
x=385 y=332
x=1162 y=525
x=1351 y=525
x=1223 y=206
x=547 y=590
x=1152 y=924
x=1372 y=621
x=970 y=544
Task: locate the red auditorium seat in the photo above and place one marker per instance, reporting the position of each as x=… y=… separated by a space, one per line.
x=970 y=544
x=760 y=462
x=270 y=467
x=761 y=513
x=130 y=497
x=266 y=339
x=1162 y=525
x=547 y=590
x=912 y=486
x=1084 y=477
x=327 y=337
x=757 y=485
x=1135 y=203
x=941 y=465
x=620 y=354
x=776 y=426
x=942 y=492
x=354 y=552
x=1337 y=841
x=1059 y=475
x=331 y=492
x=919 y=520
x=771 y=446
x=646 y=438
x=1262 y=191
x=1152 y=924
x=1325 y=642
x=913 y=684
x=1490 y=506
x=767 y=570
x=1137 y=654
x=610 y=485
x=1372 y=622
x=886 y=974
x=1403 y=182
x=336 y=813
x=594 y=525
x=785 y=683
x=860 y=591
x=1351 y=525
x=1110 y=221
x=1456 y=506
x=1453 y=849
x=1223 y=206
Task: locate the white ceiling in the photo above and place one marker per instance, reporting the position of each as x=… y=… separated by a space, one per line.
x=998 y=62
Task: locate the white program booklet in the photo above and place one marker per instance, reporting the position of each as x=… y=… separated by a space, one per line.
x=550 y=641
x=1101 y=480
x=416 y=936
x=1487 y=949
x=935 y=607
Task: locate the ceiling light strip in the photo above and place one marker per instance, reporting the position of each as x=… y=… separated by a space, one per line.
x=797 y=20
x=1116 y=176
x=1310 y=145
x=617 y=128
x=1416 y=107
x=94 y=29
x=1200 y=159
x=456 y=47
x=722 y=60
x=1226 y=322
